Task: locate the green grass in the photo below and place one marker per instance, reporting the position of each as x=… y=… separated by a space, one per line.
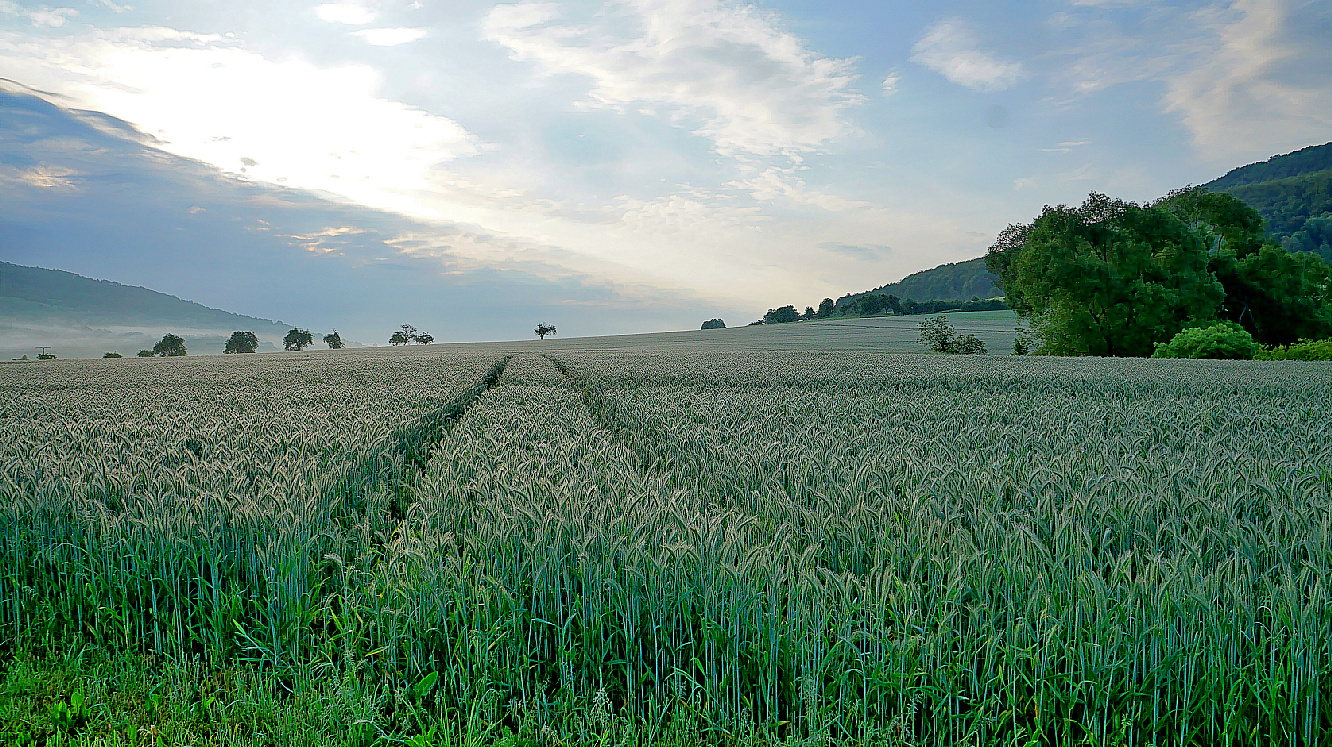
x=700 y=546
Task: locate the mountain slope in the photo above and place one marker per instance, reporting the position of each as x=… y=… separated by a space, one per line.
x=957 y=281
x=1293 y=193
x=82 y=317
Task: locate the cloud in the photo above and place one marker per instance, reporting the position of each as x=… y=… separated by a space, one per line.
x=390 y=37
x=890 y=82
x=285 y=121
x=43 y=16
x=350 y=13
x=1245 y=77
x=40 y=176
x=1257 y=79
x=726 y=72
x=949 y=48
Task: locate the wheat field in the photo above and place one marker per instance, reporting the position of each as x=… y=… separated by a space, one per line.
x=692 y=546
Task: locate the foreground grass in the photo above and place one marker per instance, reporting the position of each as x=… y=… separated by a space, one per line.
x=87 y=698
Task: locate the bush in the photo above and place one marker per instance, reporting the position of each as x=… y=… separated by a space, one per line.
x=146 y=353
x=939 y=335
x=112 y=355
x=713 y=324
x=1304 y=350
x=1220 y=340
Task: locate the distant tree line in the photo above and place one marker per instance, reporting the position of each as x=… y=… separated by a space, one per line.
x=876 y=304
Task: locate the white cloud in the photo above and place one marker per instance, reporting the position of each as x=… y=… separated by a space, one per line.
x=949 y=48
x=890 y=82
x=1253 y=82
x=390 y=37
x=52 y=17
x=350 y=13
x=1245 y=77
x=289 y=121
x=726 y=72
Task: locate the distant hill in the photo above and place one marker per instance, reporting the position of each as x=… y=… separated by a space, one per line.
x=958 y=281
x=80 y=317
x=1293 y=193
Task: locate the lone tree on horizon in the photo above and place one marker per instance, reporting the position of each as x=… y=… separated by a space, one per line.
x=241 y=342
x=544 y=329
x=169 y=345
x=333 y=340
x=297 y=339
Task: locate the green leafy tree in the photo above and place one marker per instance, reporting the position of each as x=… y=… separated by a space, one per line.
x=333 y=340
x=409 y=334
x=714 y=324
x=112 y=355
x=783 y=315
x=297 y=339
x=1278 y=296
x=544 y=329
x=826 y=308
x=242 y=342
x=1106 y=278
x=1220 y=340
x=423 y=339
x=146 y=353
x=169 y=345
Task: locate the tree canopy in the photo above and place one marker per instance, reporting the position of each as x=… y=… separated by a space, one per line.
x=544 y=329
x=241 y=342
x=714 y=324
x=1111 y=277
x=297 y=339
x=333 y=340
x=169 y=345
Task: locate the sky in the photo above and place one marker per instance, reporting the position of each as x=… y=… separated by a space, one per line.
x=608 y=165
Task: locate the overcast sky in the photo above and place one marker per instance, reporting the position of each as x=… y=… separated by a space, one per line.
x=640 y=163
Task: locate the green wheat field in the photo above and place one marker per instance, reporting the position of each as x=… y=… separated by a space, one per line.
x=795 y=538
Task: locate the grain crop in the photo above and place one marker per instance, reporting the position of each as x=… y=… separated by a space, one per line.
x=849 y=548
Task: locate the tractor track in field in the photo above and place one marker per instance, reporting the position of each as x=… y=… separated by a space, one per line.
x=397 y=460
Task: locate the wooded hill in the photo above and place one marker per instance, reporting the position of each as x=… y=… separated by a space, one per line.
x=1293 y=193
x=81 y=317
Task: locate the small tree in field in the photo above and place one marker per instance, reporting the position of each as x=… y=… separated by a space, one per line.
x=333 y=340
x=169 y=345
x=939 y=336
x=241 y=342
x=297 y=339
x=544 y=329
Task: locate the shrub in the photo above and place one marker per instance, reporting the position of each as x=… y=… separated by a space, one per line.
x=939 y=336
x=1304 y=350
x=1219 y=340
x=714 y=324
x=112 y=355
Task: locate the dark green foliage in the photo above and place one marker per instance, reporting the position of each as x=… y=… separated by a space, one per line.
x=714 y=324
x=1106 y=278
x=1304 y=161
x=242 y=342
x=113 y=355
x=939 y=335
x=1226 y=340
x=826 y=308
x=333 y=340
x=1023 y=344
x=544 y=329
x=169 y=345
x=297 y=339
x=146 y=354
x=424 y=339
x=1278 y=296
x=784 y=315
x=1291 y=192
